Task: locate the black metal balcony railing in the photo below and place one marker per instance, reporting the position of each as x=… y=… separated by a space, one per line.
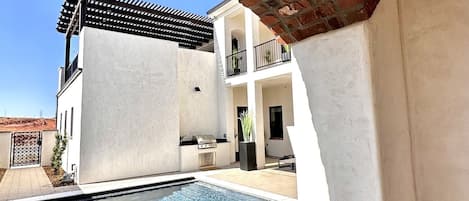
x=69 y=70
x=236 y=63
x=271 y=52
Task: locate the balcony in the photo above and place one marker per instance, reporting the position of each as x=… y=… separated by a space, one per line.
x=70 y=70
x=236 y=63
x=270 y=53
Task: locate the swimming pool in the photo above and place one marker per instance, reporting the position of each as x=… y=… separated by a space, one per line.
x=185 y=190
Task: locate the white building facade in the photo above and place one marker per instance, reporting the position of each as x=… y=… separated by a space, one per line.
x=272 y=78
x=127 y=99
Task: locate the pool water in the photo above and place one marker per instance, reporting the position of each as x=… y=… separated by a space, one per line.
x=197 y=191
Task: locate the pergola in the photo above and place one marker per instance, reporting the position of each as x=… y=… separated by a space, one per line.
x=134 y=17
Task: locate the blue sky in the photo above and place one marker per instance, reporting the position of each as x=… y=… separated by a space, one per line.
x=31 y=50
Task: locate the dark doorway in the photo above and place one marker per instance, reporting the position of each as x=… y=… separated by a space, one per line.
x=276 y=123
x=240 y=110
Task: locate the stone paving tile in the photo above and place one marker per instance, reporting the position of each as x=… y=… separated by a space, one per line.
x=274 y=181
x=23 y=183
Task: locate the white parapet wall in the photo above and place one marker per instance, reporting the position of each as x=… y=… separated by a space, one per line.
x=130 y=114
x=5 y=147
x=198 y=113
x=48 y=142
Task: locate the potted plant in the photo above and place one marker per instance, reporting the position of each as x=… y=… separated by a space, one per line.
x=235 y=62
x=268 y=56
x=247 y=149
x=286 y=53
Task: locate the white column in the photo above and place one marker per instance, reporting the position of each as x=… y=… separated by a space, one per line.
x=225 y=98
x=255 y=108
x=251 y=23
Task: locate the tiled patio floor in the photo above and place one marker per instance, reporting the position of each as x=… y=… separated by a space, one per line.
x=27 y=182
x=274 y=181
x=30 y=182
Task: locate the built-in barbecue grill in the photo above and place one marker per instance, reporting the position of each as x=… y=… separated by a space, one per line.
x=205 y=141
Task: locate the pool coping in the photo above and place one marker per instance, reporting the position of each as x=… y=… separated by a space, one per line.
x=244 y=189
x=151 y=180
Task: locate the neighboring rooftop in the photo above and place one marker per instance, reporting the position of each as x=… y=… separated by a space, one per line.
x=26 y=124
x=140 y=18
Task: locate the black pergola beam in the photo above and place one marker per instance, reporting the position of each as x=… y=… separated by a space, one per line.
x=116 y=29
x=156 y=19
x=160 y=10
x=157 y=22
x=93 y=15
x=138 y=18
x=134 y=29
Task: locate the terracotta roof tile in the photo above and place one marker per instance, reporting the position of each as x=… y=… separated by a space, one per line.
x=26 y=124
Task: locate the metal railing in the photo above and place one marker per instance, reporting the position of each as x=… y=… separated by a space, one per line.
x=236 y=63
x=69 y=70
x=270 y=53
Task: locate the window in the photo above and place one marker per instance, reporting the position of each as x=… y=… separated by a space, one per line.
x=276 y=123
x=71 y=123
x=65 y=123
x=60 y=123
x=234 y=45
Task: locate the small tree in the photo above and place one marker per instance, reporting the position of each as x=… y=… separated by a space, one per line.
x=59 y=148
x=246 y=124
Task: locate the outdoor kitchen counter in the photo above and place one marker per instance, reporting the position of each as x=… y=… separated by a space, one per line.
x=190 y=143
x=189 y=156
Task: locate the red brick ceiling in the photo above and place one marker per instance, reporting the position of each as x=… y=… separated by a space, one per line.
x=295 y=20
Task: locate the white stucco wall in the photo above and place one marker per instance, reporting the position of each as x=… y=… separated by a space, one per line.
x=435 y=46
x=280 y=95
x=235 y=28
x=198 y=114
x=240 y=99
x=130 y=114
x=70 y=97
x=48 y=142
x=5 y=146
x=336 y=71
x=390 y=101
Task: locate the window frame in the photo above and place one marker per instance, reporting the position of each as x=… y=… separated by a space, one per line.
x=281 y=136
x=60 y=122
x=71 y=123
x=65 y=123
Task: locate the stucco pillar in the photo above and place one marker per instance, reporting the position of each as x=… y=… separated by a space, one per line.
x=5 y=148
x=341 y=101
x=251 y=23
x=229 y=121
x=255 y=109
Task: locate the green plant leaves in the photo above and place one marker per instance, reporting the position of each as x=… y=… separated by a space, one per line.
x=246 y=125
x=58 y=150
